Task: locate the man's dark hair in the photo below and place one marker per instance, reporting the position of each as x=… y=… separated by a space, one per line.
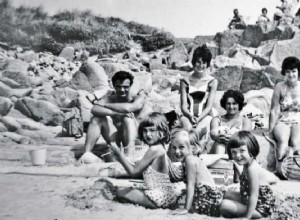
x=264 y=9
x=122 y=75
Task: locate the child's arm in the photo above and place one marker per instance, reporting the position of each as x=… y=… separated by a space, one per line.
x=191 y=180
x=140 y=166
x=253 y=188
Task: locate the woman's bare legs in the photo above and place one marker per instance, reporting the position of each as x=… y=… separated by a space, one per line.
x=282 y=134
x=134 y=196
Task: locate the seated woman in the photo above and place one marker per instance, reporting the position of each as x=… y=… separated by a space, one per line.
x=285 y=111
x=197 y=94
x=222 y=127
x=154 y=167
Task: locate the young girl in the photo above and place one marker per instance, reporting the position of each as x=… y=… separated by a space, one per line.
x=202 y=196
x=256 y=199
x=161 y=193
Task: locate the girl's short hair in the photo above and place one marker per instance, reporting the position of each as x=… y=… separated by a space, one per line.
x=180 y=131
x=290 y=63
x=264 y=9
x=236 y=95
x=159 y=121
x=202 y=52
x=243 y=138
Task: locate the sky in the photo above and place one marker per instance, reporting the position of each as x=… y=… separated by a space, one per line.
x=183 y=18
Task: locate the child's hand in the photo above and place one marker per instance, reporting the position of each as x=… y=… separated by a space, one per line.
x=180 y=212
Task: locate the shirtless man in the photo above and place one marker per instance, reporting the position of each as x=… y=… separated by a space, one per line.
x=237 y=22
x=116 y=116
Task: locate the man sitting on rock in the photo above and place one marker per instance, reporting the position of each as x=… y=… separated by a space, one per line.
x=116 y=117
x=237 y=22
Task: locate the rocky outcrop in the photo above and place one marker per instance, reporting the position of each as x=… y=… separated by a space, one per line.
x=227 y=39
x=5 y=106
x=40 y=110
x=178 y=56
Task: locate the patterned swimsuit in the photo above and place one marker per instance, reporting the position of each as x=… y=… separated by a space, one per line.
x=160 y=190
x=266 y=199
x=290 y=110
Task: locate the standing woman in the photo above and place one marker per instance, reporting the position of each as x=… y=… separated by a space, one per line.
x=197 y=94
x=284 y=121
x=222 y=127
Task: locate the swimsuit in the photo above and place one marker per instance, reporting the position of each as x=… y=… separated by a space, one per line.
x=229 y=129
x=160 y=190
x=266 y=199
x=290 y=109
x=197 y=94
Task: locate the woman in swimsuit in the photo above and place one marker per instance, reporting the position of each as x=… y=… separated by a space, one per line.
x=197 y=94
x=222 y=127
x=284 y=119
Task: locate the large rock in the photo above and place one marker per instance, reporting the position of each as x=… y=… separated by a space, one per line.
x=5 y=106
x=79 y=82
x=227 y=39
x=64 y=97
x=5 y=90
x=3 y=128
x=178 y=56
x=28 y=56
x=111 y=68
x=17 y=70
x=254 y=79
x=142 y=80
x=229 y=77
x=10 y=82
x=283 y=49
x=10 y=123
x=95 y=73
x=40 y=110
x=254 y=34
x=68 y=53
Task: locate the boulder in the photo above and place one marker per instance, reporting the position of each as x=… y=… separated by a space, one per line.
x=40 y=110
x=227 y=39
x=254 y=79
x=142 y=80
x=5 y=90
x=28 y=56
x=111 y=68
x=17 y=70
x=95 y=73
x=64 y=97
x=10 y=82
x=79 y=82
x=13 y=137
x=3 y=128
x=229 y=77
x=10 y=123
x=178 y=56
x=252 y=36
x=68 y=53
x=84 y=105
x=283 y=49
x=5 y=106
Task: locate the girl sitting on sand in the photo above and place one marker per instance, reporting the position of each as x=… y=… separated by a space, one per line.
x=202 y=196
x=161 y=193
x=256 y=199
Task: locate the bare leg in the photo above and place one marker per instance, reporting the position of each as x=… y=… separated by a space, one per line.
x=129 y=131
x=93 y=134
x=218 y=148
x=185 y=123
x=295 y=137
x=282 y=135
x=134 y=196
x=235 y=209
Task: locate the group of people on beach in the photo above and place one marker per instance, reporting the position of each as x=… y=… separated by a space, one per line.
x=285 y=15
x=121 y=117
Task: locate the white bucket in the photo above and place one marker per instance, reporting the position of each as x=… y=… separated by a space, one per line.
x=38 y=157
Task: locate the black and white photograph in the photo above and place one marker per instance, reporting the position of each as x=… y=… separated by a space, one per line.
x=149 y=109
